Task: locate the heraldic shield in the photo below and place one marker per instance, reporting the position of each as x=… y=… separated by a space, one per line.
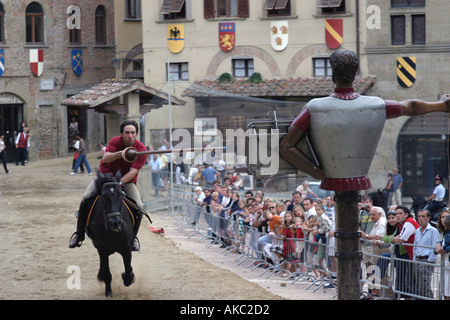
x=77 y=61
x=227 y=36
x=37 y=61
x=279 y=35
x=334 y=35
x=175 y=37
x=406 y=71
x=2 y=62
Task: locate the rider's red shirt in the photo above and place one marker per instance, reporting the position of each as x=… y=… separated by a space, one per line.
x=117 y=144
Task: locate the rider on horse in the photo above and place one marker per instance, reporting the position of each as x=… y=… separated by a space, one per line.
x=112 y=162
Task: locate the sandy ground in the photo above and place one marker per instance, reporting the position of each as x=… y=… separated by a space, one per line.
x=37 y=203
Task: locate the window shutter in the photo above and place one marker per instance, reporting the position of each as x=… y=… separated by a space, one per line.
x=177 y=6
x=243 y=10
x=281 y=4
x=208 y=7
x=269 y=4
x=166 y=7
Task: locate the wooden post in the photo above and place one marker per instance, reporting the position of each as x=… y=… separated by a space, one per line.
x=347 y=245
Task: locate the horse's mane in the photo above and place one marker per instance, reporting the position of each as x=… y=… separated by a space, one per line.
x=103 y=178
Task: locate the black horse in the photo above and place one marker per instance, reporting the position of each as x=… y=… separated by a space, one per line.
x=380 y=198
x=112 y=227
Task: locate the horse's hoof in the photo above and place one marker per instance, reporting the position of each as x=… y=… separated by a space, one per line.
x=128 y=280
x=108 y=294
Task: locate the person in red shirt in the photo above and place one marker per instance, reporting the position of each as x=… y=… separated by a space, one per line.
x=112 y=162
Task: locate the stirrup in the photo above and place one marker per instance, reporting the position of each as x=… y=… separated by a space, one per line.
x=78 y=244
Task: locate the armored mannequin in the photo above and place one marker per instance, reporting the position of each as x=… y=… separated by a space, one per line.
x=345 y=128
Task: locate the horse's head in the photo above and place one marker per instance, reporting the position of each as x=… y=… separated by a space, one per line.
x=112 y=199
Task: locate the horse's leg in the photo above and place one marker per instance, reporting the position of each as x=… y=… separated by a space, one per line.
x=128 y=275
x=104 y=274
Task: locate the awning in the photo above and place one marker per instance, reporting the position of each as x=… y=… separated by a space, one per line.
x=105 y=96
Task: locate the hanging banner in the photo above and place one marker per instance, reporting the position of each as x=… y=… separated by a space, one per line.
x=334 y=33
x=406 y=71
x=77 y=61
x=279 y=35
x=227 y=36
x=175 y=37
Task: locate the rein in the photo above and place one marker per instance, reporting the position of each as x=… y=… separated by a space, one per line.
x=95 y=201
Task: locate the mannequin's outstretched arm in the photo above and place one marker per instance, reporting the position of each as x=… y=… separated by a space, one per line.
x=414 y=107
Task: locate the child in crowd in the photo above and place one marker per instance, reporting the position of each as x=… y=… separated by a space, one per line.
x=324 y=226
x=288 y=242
x=310 y=246
x=243 y=220
x=299 y=224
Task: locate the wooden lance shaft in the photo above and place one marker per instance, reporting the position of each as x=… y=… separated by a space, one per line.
x=130 y=154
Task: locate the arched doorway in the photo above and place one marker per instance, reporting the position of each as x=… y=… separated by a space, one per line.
x=423 y=152
x=11 y=116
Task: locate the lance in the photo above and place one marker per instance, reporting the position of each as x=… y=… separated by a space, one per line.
x=130 y=154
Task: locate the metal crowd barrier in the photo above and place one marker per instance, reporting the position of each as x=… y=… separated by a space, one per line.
x=388 y=276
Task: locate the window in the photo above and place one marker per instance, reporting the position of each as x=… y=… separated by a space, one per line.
x=75 y=36
x=322 y=67
x=178 y=71
x=133 y=9
x=398 y=30
x=407 y=3
x=418 y=29
x=2 y=24
x=278 y=7
x=100 y=25
x=34 y=23
x=243 y=68
x=173 y=9
x=226 y=8
x=332 y=6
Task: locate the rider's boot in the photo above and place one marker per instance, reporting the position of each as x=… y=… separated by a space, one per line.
x=78 y=236
x=137 y=222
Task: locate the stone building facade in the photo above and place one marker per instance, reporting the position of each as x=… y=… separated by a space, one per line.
x=410 y=59
x=380 y=31
x=36 y=99
x=203 y=58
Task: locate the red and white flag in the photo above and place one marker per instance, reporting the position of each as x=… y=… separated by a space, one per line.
x=37 y=61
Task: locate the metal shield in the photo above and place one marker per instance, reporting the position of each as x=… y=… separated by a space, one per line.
x=334 y=33
x=37 y=61
x=406 y=71
x=227 y=36
x=175 y=37
x=77 y=61
x=279 y=31
x=2 y=61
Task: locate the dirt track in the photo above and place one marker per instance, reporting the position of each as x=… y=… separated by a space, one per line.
x=36 y=220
